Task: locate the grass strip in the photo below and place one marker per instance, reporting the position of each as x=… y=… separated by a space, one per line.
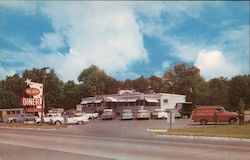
x=231 y=131
x=38 y=126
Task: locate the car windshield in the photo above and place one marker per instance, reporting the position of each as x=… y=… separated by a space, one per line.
x=126 y=111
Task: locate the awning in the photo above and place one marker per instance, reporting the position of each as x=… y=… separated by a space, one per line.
x=98 y=101
x=128 y=100
x=151 y=100
x=110 y=99
x=131 y=100
x=85 y=102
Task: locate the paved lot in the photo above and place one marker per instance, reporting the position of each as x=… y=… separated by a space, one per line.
x=123 y=128
x=41 y=144
x=114 y=139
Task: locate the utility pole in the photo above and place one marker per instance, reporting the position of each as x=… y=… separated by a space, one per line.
x=43 y=96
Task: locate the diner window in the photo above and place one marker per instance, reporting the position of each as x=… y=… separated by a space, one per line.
x=165 y=100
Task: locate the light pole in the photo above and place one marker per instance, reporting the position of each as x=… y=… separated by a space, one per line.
x=43 y=96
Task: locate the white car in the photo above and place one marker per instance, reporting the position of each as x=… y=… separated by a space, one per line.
x=92 y=115
x=74 y=119
x=48 y=117
x=159 y=114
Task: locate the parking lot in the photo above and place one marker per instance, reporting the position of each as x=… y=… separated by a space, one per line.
x=123 y=128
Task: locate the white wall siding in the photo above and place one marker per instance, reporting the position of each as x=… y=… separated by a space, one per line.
x=168 y=101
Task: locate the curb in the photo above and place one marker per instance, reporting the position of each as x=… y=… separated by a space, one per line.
x=52 y=129
x=197 y=137
x=205 y=138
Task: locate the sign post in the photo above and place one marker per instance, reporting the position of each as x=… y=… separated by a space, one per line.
x=35 y=93
x=171 y=118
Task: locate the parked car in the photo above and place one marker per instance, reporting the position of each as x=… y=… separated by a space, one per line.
x=70 y=119
x=92 y=115
x=174 y=112
x=21 y=118
x=214 y=114
x=108 y=114
x=127 y=114
x=47 y=118
x=159 y=114
x=142 y=114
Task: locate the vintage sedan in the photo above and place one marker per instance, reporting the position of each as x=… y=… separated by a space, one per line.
x=142 y=114
x=21 y=118
x=159 y=114
x=108 y=114
x=127 y=114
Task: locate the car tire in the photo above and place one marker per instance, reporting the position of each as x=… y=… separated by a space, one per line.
x=203 y=121
x=80 y=122
x=58 y=123
x=232 y=121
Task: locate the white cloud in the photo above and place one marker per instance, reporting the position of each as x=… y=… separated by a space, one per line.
x=111 y=37
x=166 y=64
x=96 y=35
x=95 y=32
x=52 y=41
x=5 y=72
x=214 y=64
x=158 y=74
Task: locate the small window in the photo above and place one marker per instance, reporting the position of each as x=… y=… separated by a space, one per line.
x=165 y=100
x=17 y=112
x=8 y=112
x=13 y=112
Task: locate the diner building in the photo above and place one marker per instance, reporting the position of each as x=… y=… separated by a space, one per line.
x=130 y=99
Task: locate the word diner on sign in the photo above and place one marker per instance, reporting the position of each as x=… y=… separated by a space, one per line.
x=32 y=91
x=31 y=101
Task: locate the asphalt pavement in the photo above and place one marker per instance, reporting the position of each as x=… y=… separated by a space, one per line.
x=114 y=139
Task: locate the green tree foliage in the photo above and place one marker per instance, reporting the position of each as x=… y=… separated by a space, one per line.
x=141 y=84
x=71 y=93
x=96 y=81
x=239 y=87
x=53 y=90
x=217 y=91
x=184 y=79
x=14 y=84
x=9 y=99
x=155 y=84
x=241 y=106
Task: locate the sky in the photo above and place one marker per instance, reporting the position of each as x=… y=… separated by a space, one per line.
x=126 y=39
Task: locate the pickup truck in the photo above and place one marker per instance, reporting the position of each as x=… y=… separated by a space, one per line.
x=74 y=119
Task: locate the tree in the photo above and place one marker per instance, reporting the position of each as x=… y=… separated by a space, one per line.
x=141 y=84
x=96 y=80
x=155 y=83
x=239 y=87
x=53 y=90
x=14 y=84
x=217 y=91
x=71 y=95
x=184 y=79
x=8 y=99
x=241 y=106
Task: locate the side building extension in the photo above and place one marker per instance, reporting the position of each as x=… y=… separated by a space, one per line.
x=129 y=99
x=5 y=113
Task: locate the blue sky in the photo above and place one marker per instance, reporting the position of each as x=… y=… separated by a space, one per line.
x=126 y=39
